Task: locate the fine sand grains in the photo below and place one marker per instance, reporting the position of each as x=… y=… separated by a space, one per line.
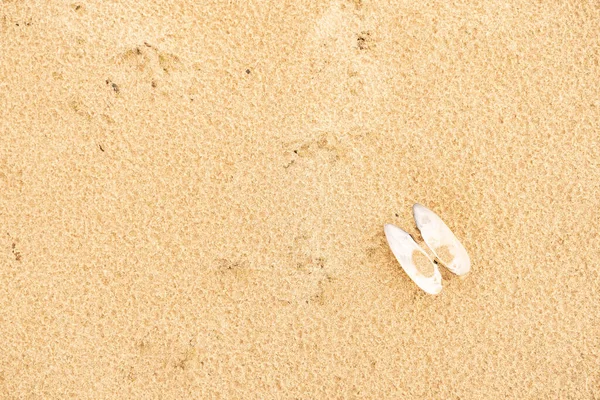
x=423 y=264
x=444 y=254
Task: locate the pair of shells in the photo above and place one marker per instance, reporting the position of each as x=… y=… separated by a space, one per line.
x=440 y=240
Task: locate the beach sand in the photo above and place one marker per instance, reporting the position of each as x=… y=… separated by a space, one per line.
x=193 y=194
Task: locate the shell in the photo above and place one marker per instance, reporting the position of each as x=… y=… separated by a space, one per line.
x=442 y=242
x=427 y=276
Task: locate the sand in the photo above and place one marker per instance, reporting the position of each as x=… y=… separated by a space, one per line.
x=193 y=194
x=423 y=264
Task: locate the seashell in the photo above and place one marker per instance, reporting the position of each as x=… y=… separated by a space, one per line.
x=414 y=260
x=442 y=242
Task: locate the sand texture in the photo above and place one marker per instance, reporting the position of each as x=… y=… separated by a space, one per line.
x=193 y=194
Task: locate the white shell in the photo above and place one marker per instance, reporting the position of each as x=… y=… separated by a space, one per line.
x=437 y=235
x=403 y=246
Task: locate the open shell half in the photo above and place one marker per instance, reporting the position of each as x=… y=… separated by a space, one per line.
x=414 y=260
x=442 y=242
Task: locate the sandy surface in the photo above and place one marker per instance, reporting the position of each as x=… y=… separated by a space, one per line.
x=193 y=194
